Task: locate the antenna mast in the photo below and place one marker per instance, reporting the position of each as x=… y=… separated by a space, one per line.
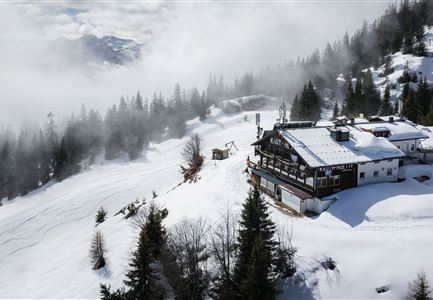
x=283 y=113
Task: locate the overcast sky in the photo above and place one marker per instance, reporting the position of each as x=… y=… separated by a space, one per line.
x=185 y=41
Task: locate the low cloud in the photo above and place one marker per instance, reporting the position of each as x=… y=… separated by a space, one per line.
x=184 y=42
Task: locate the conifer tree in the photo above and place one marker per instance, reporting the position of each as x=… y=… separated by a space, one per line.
x=420 y=289
x=335 y=111
x=107 y=294
x=141 y=276
x=420 y=47
x=100 y=215
x=371 y=95
x=359 y=98
x=294 y=111
x=386 y=106
x=97 y=251
x=408 y=44
x=423 y=97
x=256 y=246
x=388 y=69
x=427 y=120
x=203 y=110
x=410 y=107
x=349 y=101
x=155 y=231
x=258 y=285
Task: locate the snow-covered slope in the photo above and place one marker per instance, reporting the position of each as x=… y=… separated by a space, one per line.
x=422 y=66
x=378 y=234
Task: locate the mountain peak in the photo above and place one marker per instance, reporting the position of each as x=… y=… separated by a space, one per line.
x=89 y=48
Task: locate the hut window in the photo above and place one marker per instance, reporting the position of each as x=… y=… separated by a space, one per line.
x=334 y=180
x=362 y=175
x=321 y=182
x=389 y=172
x=376 y=173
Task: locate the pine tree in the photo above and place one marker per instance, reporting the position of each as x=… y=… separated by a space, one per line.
x=423 y=97
x=100 y=215
x=359 y=98
x=405 y=77
x=155 y=231
x=419 y=289
x=335 y=112
x=410 y=107
x=349 y=101
x=258 y=285
x=294 y=111
x=107 y=294
x=176 y=121
x=97 y=251
x=388 y=69
x=408 y=44
x=256 y=246
x=203 y=110
x=386 y=108
x=310 y=103
x=141 y=276
x=427 y=120
x=7 y=162
x=420 y=47
x=371 y=95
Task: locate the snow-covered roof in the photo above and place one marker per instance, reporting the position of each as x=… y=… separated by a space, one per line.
x=426 y=144
x=317 y=147
x=398 y=130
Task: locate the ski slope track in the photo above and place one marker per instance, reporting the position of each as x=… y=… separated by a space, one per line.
x=378 y=234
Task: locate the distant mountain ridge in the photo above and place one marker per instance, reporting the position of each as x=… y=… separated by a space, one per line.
x=91 y=49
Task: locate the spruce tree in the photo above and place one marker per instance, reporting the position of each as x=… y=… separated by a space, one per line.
x=155 y=231
x=405 y=77
x=420 y=47
x=408 y=44
x=256 y=246
x=410 y=106
x=100 y=215
x=371 y=95
x=335 y=111
x=258 y=284
x=97 y=251
x=294 y=111
x=427 y=120
x=386 y=106
x=388 y=69
x=304 y=107
x=420 y=289
x=141 y=276
x=359 y=98
x=349 y=101
x=423 y=97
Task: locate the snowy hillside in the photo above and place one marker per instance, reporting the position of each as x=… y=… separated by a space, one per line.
x=422 y=66
x=378 y=234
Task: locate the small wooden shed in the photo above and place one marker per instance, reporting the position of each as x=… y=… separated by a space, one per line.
x=220 y=153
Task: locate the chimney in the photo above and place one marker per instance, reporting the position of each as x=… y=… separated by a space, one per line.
x=352 y=121
x=391 y=119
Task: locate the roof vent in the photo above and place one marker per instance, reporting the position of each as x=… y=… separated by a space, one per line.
x=339 y=134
